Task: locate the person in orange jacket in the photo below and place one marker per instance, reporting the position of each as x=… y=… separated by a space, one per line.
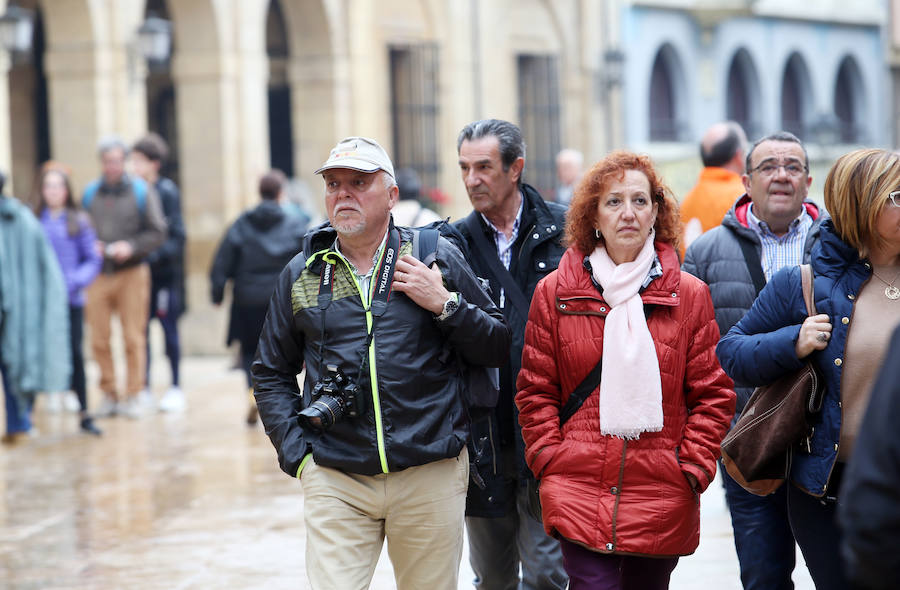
x=722 y=150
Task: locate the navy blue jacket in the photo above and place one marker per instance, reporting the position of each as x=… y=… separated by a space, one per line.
x=760 y=347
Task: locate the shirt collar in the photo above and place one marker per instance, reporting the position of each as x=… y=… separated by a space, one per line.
x=516 y=223
x=762 y=228
x=337 y=248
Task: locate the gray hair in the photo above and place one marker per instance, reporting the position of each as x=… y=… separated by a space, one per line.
x=111 y=142
x=388 y=180
x=785 y=136
x=509 y=136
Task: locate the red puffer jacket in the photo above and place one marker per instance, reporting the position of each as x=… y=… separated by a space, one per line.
x=606 y=493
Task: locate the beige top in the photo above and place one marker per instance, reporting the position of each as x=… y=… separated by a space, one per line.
x=874 y=319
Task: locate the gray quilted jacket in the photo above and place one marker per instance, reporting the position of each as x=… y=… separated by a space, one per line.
x=716 y=258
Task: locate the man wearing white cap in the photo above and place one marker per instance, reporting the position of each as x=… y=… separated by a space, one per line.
x=377 y=435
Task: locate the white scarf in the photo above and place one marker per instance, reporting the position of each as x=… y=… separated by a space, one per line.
x=631 y=388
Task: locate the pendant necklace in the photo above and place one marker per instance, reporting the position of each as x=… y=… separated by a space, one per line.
x=891 y=292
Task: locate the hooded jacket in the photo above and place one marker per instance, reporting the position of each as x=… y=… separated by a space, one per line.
x=761 y=347
x=34 y=314
x=716 y=259
x=411 y=382
x=608 y=494
x=253 y=253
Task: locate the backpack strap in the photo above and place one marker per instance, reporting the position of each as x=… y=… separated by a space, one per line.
x=89 y=193
x=138 y=187
x=425 y=245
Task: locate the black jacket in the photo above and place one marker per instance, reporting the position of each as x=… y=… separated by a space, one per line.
x=167 y=261
x=536 y=254
x=415 y=411
x=253 y=252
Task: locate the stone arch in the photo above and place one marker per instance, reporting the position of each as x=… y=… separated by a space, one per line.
x=667 y=96
x=850 y=98
x=796 y=97
x=742 y=91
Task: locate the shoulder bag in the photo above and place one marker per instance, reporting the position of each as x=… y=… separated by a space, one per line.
x=777 y=419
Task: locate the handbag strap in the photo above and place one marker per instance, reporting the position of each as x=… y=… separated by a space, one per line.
x=809 y=295
x=488 y=254
x=581 y=393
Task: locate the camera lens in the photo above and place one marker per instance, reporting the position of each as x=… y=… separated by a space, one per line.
x=322 y=413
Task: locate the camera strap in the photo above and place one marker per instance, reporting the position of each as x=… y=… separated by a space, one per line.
x=379 y=290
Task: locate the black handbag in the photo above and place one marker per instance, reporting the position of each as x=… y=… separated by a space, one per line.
x=576 y=399
x=757 y=452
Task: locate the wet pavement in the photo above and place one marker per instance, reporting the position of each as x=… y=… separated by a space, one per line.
x=196 y=500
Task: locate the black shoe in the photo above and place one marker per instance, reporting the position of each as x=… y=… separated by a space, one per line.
x=88 y=426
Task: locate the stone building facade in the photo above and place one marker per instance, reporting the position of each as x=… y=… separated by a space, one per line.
x=251 y=84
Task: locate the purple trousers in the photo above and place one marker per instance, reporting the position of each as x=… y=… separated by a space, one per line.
x=590 y=570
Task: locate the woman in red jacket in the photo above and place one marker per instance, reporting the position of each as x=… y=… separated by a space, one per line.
x=620 y=481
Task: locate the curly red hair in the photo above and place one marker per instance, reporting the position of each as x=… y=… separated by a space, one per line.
x=582 y=217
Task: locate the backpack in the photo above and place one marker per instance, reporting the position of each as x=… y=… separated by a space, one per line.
x=138 y=187
x=482 y=384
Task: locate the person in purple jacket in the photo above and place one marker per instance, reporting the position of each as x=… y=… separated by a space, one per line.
x=69 y=231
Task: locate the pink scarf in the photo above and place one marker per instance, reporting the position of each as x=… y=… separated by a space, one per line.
x=631 y=389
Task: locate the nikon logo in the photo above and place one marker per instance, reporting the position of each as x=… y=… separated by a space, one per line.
x=388 y=260
x=326 y=276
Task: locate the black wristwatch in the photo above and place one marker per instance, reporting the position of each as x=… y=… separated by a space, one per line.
x=450 y=307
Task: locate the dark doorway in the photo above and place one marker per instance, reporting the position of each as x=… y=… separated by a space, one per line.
x=281 y=137
x=161 y=116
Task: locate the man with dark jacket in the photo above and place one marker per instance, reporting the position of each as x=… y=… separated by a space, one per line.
x=771 y=226
x=166 y=263
x=129 y=221
x=252 y=254
x=514 y=237
x=379 y=443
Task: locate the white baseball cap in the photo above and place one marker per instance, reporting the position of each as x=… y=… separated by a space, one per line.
x=358 y=153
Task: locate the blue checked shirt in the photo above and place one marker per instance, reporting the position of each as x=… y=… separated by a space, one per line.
x=786 y=250
x=505 y=245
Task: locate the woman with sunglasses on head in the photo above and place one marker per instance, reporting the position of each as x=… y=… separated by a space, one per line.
x=69 y=231
x=856 y=266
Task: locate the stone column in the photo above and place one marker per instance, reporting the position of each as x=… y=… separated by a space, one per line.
x=208 y=114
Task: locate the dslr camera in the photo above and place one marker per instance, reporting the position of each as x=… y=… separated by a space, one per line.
x=334 y=396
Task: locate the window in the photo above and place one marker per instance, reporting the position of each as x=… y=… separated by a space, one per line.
x=539 y=119
x=794 y=99
x=848 y=92
x=414 y=110
x=742 y=99
x=663 y=99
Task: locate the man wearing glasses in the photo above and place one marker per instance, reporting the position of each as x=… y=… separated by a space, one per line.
x=771 y=226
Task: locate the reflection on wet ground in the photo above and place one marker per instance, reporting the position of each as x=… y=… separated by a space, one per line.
x=193 y=500
x=197 y=501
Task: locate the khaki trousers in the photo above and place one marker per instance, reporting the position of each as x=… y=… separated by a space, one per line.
x=420 y=510
x=127 y=293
